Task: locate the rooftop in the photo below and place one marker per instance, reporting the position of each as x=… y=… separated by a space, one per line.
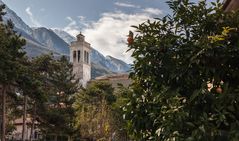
x=230 y=5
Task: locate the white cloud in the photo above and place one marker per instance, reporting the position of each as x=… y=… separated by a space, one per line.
x=121 y=4
x=109 y=34
x=75 y=26
x=28 y=10
x=72 y=28
x=82 y=18
x=32 y=18
x=83 y=22
x=153 y=11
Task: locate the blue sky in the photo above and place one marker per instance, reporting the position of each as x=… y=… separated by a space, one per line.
x=105 y=23
x=54 y=13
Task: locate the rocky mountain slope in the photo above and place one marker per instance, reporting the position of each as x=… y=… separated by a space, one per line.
x=42 y=41
x=50 y=39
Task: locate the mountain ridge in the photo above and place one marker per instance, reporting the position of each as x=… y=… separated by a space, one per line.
x=42 y=40
x=49 y=38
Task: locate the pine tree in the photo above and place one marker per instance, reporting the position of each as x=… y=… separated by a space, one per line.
x=30 y=87
x=10 y=53
x=57 y=114
x=61 y=100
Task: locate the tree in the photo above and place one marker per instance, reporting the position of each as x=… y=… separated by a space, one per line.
x=29 y=86
x=176 y=58
x=93 y=107
x=119 y=124
x=10 y=52
x=58 y=114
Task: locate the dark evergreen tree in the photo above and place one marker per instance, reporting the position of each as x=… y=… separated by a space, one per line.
x=30 y=87
x=10 y=54
x=59 y=86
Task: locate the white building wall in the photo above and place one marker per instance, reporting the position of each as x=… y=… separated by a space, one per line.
x=81 y=69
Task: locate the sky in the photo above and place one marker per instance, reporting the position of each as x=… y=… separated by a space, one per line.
x=105 y=23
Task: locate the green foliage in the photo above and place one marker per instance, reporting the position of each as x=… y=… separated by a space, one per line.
x=11 y=54
x=120 y=125
x=57 y=114
x=48 y=84
x=94 y=111
x=176 y=57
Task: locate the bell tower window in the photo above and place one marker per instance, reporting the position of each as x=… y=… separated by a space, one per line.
x=79 y=56
x=86 y=57
x=74 y=56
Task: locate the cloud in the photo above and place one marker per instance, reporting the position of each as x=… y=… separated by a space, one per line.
x=32 y=18
x=75 y=26
x=83 y=22
x=72 y=28
x=153 y=11
x=121 y=4
x=109 y=34
x=82 y=18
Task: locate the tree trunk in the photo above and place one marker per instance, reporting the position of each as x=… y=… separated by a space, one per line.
x=3 y=113
x=33 y=121
x=24 y=118
x=69 y=138
x=55 y=137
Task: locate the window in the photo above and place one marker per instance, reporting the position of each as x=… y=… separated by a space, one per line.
x=78 y=55
x=86 y=57
x=74 y=56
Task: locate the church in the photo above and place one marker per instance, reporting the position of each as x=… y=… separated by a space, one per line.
x=80 y=58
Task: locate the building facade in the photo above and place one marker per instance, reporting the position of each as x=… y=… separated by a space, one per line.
x=80 y=58
x=116 y=79
x=230 y=5
x=17 y=133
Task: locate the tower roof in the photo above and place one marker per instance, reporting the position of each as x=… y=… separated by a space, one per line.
x=80 y=42
x=80 y=37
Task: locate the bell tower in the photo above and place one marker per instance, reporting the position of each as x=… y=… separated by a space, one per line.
x=80 y=58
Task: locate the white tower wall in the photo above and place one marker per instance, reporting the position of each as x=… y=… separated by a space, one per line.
x=80 y=58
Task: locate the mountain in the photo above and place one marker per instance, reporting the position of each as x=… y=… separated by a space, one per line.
x=18 y=22
x=49 y=38
x=117 y=65
x=43 y=41
x=64 y=35
x=32 y=47
x=111 y=63
x=99 y=70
